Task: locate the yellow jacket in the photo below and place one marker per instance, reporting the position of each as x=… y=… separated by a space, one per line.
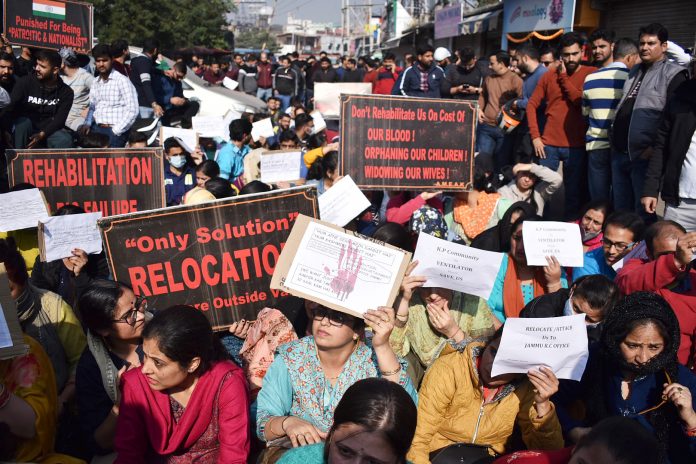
x=451 y=410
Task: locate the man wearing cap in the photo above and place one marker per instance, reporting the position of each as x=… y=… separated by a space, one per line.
x=80 y=81
x=442 y=57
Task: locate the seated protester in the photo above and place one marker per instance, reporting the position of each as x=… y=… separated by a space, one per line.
x=169 y=94
x=375 y=419
x=93 y=140
x=667 y=272
x=48 y=319
x=308 y=377
x=622 y=231
x=68 y=277
x=592 y=295
x=591 y=222
x=284 y=123
x=427 y=318
x=221 y=188
x=304 y=125
x=324 y=172
x=470 y=213
x=459 y=402
x=614 y=440
x=533 y=183
x=635 y=373
x=402 y=205
x=114 y=318
x=517 y=283
x=179 y=172
x=395 y=235
x=196 y=196
x=255 y=187
x=136 y=139
x=230 y=158
x=29 y=408
x=80 y=81
x=205 y=171
x=497 y=238
x=40 y=104
x=187 y=402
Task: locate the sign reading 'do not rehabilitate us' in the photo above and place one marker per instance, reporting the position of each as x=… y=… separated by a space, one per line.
x=110 y=181
x=217 y=256
x=401 y=143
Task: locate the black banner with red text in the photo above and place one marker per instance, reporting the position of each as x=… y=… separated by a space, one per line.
x=113 y=180
x=49 y=24
x=400 y=143
x=217 y=256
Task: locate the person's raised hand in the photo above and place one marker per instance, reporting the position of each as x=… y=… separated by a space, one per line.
x=545 y=385
x=381 y=321
x=428 y=195
x=301 y=433
x=552 y=271
x=76 y=262
x=521 y=167
x=441 y=319
x=680 y=397
x=410 y=283
x=686 y=250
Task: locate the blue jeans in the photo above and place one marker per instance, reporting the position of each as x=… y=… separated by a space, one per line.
x=284 y=101
x=115 y=141
x=493 y=142
x=264 y=94
x=599 y=173
x=574 y=175
x=24 y=129
x=627 y=178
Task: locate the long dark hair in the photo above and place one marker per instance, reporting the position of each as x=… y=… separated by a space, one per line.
x=98 y=302
x=183 y=333
x=633 y=311
x=378 y=405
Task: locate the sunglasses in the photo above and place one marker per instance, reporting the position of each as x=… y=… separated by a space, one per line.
x=336 y=319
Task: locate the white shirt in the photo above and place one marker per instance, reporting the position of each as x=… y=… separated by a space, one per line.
x=114 y=101
x=687 y=178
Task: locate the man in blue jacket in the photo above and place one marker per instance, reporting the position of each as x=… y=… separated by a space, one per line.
x=422 y=79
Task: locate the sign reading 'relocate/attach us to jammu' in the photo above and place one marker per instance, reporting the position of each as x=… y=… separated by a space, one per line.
x=401 y=143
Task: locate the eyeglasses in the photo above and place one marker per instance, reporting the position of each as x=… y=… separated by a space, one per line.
x=336 y=318
x=620 y=246
x=131 y=317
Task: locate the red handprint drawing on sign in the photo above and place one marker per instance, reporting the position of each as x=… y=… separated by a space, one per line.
x=349 y=264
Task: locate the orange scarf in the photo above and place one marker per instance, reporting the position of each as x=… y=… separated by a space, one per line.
x=474 y=220
x=513 y=299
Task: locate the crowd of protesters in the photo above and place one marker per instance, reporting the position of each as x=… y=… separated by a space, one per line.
x=106 y=380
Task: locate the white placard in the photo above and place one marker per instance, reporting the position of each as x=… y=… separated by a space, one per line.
x=22 y=209
x=456 y=267
x=344 y=270
x=62 y=234
x=319 y=122
x=262 y=128
x=230 y=83
x=281 y=166
x=559 y=343
x=211 y=126
x=327 y=96
x=342 y=202
x=188 y=137
x=549 y=238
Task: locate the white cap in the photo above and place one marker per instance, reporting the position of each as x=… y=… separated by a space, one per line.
x=441 y=53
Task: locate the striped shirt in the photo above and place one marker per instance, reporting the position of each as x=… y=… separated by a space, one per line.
x=600 y=96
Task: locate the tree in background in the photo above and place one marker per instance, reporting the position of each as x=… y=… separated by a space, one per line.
x=255 y=38
x=176 y=23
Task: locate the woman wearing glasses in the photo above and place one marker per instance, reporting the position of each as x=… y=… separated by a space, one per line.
x=635 y=373
x=309 y=376
x=114 y=318
x=187 y=402
x=518 y=283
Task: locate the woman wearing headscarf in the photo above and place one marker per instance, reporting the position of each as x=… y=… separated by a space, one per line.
x=497 y=238
x=635 y=373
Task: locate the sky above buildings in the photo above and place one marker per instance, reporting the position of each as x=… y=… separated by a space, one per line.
x=321 y=11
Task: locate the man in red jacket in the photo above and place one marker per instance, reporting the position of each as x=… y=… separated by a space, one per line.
x=264 y=77
x=669 y=273
x=385 y=77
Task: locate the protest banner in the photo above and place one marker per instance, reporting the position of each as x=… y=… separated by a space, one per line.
x=211 y=126
x=456 y=267
x=327 y=96
x=548 y=238
x=49 y=24
x=401 y=143
x=11 y=337
x=338 y=268
x=22 y=209
x=112 y=180
x=59 y=235
x=281 y=166
x=559 y=343
x=217 y=256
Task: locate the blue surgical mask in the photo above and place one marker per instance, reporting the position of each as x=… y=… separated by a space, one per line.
x=177 y=161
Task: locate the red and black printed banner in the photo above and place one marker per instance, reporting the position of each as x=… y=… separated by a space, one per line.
x=217 y=256
x=49 y=24
x=401 y=143
x=113 y=180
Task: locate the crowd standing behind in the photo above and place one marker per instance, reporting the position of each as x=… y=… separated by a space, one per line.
x=106 y=380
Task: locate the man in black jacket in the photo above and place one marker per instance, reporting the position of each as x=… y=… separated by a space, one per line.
x=325 y=73
x=40 y=105
x=143 y=68
x=672 y=165
x=286 y=82
x=593 y=295
x=464 y=80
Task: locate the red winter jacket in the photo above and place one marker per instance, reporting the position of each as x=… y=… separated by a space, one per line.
x=400 y=211
x=656 y=276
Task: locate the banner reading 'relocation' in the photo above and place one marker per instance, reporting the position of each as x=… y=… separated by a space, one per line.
x=112 y=181
x=49 y=24
x=402 y=143
x=217 y=256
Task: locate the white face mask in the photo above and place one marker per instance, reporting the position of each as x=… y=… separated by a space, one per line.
x=177 y=161
x=569 y=311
